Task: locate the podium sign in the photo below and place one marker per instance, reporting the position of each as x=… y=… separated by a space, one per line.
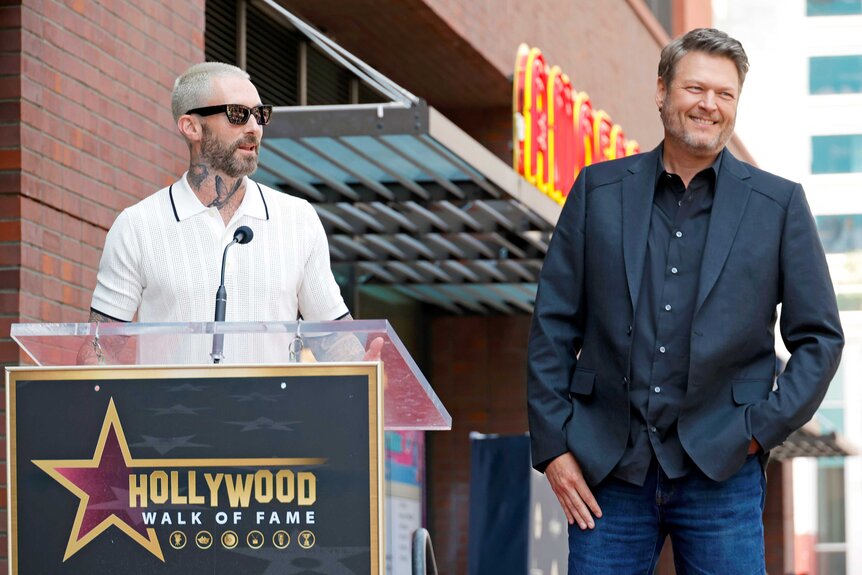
x=196 y=469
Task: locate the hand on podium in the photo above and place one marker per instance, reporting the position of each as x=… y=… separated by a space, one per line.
x=99 y=350
x=344 y=348
x=373 y=353
x=374 y=349
x=340 y=347
x=89 y=354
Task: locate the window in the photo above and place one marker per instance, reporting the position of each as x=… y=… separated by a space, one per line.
x=661 y=9
x=835 y=75
x=275 y=53
x=836 y=154
x=272 y=57
x=831 y=546
x=840 y=233
x=834 y=7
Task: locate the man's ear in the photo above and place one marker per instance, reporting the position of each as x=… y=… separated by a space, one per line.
x=190 y=128
x=660 y=92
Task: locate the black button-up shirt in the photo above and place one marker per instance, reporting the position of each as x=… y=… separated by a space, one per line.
x=661 y=337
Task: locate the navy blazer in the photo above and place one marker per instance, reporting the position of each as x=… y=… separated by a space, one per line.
x=762 y=250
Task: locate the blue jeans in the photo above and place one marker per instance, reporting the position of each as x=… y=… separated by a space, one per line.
x=715 y=528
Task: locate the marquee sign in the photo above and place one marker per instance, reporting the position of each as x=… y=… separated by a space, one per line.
x=556 y=131
x=169 y=471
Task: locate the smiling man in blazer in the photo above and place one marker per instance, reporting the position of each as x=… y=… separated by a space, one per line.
x=654 y=397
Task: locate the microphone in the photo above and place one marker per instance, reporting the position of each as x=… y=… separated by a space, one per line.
x=242 y=235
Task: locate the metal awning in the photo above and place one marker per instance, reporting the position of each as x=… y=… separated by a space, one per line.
x=408 y=198
x=814 y=439
x=414 y=202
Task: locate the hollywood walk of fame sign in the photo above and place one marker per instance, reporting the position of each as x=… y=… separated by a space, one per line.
x=263 y=469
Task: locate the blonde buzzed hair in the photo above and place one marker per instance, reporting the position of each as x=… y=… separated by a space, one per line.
x=193 y=86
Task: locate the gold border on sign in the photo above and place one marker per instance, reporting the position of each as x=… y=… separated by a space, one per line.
x=372 y=371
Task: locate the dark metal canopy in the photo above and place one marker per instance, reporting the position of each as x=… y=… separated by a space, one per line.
x=814 y=439
x=408 y=198
x=412 y=201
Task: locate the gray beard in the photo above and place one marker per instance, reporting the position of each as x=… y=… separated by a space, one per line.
x=222 y=157
x=713 y=146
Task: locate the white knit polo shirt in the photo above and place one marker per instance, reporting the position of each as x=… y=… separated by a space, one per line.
x=162 y=259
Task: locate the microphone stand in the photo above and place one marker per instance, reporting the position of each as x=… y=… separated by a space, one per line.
x=242 y=235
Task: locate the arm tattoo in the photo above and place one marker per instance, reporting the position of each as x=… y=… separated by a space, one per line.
x=223 y=195
x=337 y=346
x=101 y=349
x=99 y=317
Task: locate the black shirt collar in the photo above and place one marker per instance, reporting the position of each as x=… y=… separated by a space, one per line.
x=660 y=170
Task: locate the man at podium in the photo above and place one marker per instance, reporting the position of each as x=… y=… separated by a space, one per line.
x=161 y=256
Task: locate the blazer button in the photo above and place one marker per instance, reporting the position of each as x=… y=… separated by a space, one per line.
x=629 y=330
x=625 y=380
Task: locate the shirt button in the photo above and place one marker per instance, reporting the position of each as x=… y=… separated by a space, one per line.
x=667 y=307
x=657 y=389
x=678 y=234
x=679 y=203
x=662 y=349
x=629 y=330
x=652 y=428
x=673 y=270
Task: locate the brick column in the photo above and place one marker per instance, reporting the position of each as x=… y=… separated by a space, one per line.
x=479 y=371
x=85 y=131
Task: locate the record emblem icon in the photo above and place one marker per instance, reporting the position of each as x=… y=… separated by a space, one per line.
x=229 y=539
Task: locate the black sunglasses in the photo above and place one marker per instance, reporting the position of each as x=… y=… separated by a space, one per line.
x=237 y=113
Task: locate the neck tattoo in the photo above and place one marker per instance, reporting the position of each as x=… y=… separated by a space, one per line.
x=198 y=177
x=198 y=173
x=223 y=194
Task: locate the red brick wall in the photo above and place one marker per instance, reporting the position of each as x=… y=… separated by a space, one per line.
x=85 y=130
x=10 y=166
x=690 y=14
x=604 y=47
x=479 y=372
x=96 y=133
x=10 y=213
x=778 y=514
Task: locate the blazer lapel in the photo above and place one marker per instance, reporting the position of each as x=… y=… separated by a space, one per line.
x=728 y=206
x=638 y=189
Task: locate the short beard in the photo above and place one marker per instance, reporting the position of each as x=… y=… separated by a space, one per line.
x=222 y=157
x=668 y=112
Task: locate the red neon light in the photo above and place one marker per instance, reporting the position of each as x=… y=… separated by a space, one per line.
x=556 y=133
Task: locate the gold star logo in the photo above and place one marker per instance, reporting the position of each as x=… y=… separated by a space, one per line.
x=101 y=484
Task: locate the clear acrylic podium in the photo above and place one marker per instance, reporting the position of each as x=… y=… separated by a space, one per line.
x=274 y=456
x=409 y=400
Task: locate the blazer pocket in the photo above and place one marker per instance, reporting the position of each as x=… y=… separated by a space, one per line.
x=750 y=390
x=582 y=382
